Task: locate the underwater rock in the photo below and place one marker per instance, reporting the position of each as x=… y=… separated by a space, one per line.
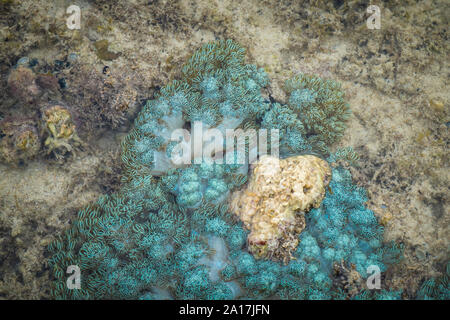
x=271 y=206
x=19 y=140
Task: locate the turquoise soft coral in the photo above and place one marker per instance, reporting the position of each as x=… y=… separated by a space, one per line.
x=167 y=234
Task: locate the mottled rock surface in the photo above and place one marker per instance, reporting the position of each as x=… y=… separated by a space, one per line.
x=272 y=207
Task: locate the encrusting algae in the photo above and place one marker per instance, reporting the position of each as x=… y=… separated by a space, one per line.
x=60 y=129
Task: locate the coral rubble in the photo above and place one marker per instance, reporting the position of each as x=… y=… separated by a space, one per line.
x=59 y=129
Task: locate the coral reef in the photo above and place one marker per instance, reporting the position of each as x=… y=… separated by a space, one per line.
x=217 y=90
x=96 y=100
x=37 y=202
x=31 y=91
x=314 y=117
x=320 y=106
x=274 y=203
x=168 y=232
x=437 y=288
x=394 y=79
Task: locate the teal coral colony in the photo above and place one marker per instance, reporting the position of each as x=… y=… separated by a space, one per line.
x=169 y=234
